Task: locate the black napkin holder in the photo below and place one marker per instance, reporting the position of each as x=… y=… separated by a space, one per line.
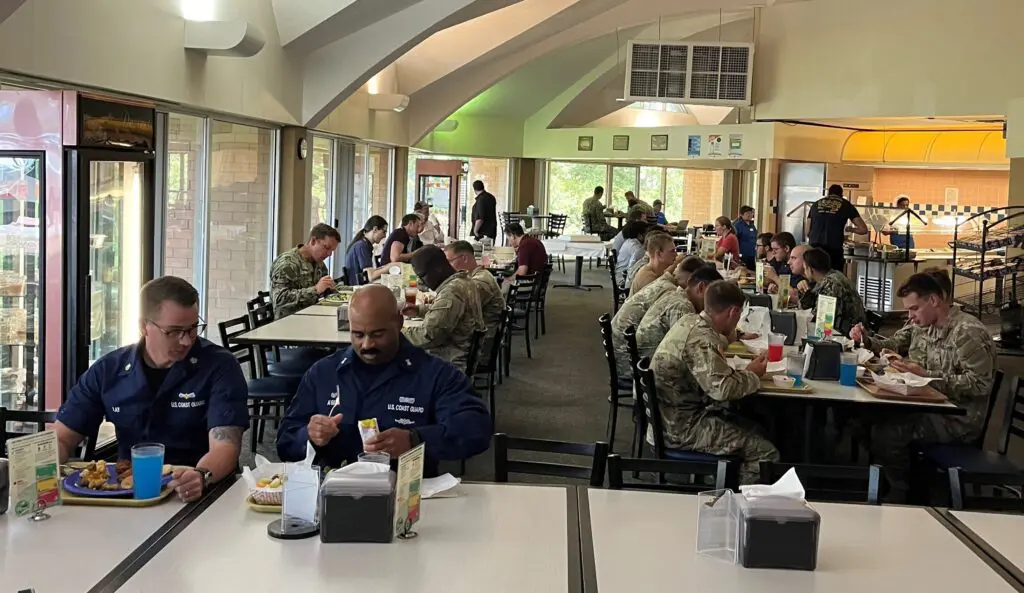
x=778 y=532
x=825 y=360
x=357 y=519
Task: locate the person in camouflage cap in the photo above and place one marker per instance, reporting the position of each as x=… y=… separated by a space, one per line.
x=673 y=306
x=941 y=341
x=697 y=387
x=298 y=277
x=833 y=283
x=449 y=321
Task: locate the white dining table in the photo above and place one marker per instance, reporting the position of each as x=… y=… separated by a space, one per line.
x=319 y=311
x=303 y=330
x=492 y=537
x=831 y=392
x=77 y=547
x=1003 y=532
x=646 y=541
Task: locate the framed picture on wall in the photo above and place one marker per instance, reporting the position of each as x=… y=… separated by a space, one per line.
x=585 y=143
x=659 y=141
x=620 y=142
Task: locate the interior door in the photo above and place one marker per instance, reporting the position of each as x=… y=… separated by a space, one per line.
x=112 y=238
x=440 y=193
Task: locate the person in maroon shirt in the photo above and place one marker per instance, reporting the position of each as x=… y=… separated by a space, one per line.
x=530 y=253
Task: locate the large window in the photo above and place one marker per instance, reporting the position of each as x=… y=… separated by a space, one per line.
x=569 y=184
x=695 y=195
x=186 y=142
x=241 y=217
x=323 y=181
x=624 y=179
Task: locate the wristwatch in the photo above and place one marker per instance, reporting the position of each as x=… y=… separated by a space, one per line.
x=207 y=477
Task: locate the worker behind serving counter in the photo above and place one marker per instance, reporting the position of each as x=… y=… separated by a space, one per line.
x=898 y=234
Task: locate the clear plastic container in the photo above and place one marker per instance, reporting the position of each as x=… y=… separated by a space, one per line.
x=718 y=525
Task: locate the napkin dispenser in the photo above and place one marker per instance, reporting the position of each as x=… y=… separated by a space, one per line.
x=778 y=532
x=358 y=512
x=824 y=361
x=343 y=325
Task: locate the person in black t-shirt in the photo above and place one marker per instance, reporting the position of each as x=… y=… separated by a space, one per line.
x=485 y=213
x=826 y=225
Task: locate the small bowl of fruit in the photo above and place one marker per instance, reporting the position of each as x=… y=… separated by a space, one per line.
x=268 y=490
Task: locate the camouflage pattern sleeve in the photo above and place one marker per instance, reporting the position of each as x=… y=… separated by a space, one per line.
x=438 y=321
x=718 y=380
x=899 y=342
x=967 y=370
x=288 y=288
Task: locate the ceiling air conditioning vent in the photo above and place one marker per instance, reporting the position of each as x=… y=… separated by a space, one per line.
x=701 y=73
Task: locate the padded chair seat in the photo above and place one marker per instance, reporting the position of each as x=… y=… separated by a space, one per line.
x=969 y=458
x=292 y=366
x=681 y=455
x=272 y=387
x=625 y=385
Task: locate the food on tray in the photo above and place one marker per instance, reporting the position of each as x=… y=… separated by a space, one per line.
x=127 y=483
x=274 y=481
x=166 y=471
x=338 y=297
x=96 y=476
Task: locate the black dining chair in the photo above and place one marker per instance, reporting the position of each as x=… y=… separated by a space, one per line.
x=620 y=388
x=830 y=483
x=930 y=463
x=489 y=370
x=619 y=294
x=473 y=356
x=540 y=322
x=707 y=475
x=985 y=490
x=269 y=396
x=279 y=362
x=522 y=307
x=592 y=474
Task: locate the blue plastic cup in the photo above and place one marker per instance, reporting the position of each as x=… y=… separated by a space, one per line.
x=147 y=469
x=848 y=370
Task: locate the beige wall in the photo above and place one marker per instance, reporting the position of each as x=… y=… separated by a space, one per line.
x=879 y=58
x=136 y=46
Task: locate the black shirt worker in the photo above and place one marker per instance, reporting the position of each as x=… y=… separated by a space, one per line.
x=485 y=213
x=826 y=224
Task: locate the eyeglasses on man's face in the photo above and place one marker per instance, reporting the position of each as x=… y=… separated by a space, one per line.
x=178 y=333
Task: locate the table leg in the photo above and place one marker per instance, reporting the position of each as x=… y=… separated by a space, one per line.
x=578 y=284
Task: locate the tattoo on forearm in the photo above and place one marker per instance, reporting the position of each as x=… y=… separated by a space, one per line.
x=232 y=434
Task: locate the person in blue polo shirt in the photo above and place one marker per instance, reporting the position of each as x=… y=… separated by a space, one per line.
x=415 y=397
x=746 y=234
x=172 y=387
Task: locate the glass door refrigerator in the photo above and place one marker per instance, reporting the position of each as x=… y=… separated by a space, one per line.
x=109 y=217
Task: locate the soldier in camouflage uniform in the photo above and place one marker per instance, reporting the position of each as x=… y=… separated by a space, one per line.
x=462 y=257
x=643 y=261
x=638 y=205
x=833 y=283
x=449 y=321
x=298 y=277
x=594 y=221
x=631 y=313
x=697 y=387
x=673 y=306
x=940 y=341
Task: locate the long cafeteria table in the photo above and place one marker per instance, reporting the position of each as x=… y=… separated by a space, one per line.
x=80 y=546
x=645 y=541
x=492 y=537
x=302 y=330
x=998 y=535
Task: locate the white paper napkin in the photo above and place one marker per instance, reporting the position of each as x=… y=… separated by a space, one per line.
x=440 y=487
x=788 y=486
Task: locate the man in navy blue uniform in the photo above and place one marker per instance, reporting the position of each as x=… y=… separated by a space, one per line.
x=172 y=387
x=415 y=397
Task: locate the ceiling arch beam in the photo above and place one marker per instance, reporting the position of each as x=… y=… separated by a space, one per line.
x=335 y=71
x=437 y=101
